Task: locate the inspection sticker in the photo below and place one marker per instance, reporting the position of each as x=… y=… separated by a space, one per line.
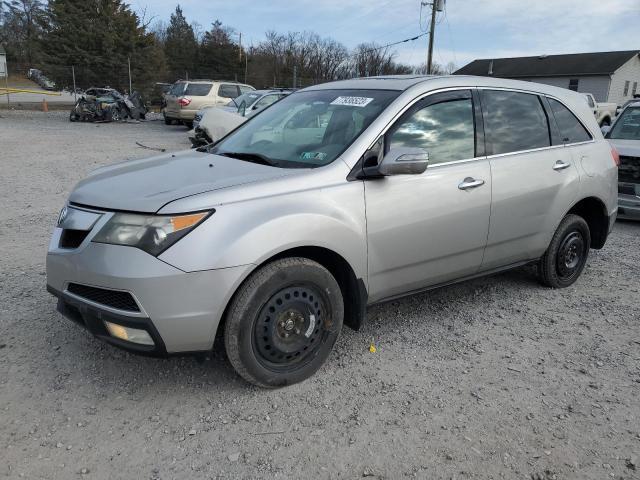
x=352 y=101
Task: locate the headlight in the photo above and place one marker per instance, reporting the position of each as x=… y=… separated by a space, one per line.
x=151 y=233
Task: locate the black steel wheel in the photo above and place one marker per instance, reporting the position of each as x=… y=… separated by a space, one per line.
x=289 y=328
x=283 y=322
x=566 y=257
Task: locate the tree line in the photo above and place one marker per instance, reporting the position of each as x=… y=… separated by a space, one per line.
x=103 y=39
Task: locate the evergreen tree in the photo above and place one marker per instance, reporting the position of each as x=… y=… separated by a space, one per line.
x=180 y=46
x=98 y=37
x=219 y=56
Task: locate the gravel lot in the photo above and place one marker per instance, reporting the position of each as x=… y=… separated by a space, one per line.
x=493 y=378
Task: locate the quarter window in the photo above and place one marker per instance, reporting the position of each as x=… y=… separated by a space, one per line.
x=445 y=130
x=228 y=91
x=571 y=130
x=573 y=84
x=514 y=121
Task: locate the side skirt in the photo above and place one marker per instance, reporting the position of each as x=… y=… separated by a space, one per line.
x=486 y=273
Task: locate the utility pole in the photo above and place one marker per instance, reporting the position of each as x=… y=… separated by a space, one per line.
x=73 y=75
x=295 y=74
x=436 y=6
x=129 y=65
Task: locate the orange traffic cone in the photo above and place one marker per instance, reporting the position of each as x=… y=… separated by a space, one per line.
x=45 y=107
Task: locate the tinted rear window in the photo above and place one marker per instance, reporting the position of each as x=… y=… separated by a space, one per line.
x=198 y=89
x=177 y=89
x=571 y=130
x=514 y=121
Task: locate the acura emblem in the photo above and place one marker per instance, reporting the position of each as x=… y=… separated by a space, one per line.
x=63 y=215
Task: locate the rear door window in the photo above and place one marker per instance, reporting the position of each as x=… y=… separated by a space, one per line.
x=571 y=130
x=177 y=89
x=228 y=91
x=514 y=121
x=198 y=89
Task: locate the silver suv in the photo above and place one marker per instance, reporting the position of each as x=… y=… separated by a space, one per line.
x=337 y=197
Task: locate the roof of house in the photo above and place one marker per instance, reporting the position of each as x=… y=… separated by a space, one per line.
x=598 y=63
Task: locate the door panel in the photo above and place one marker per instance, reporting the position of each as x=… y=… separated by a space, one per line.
x=530 y=197
x=423 y=230
x=534 y=183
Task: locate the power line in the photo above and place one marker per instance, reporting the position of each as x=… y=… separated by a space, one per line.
x=389 y=45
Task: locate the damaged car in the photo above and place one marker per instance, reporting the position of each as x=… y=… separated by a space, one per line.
x=108 y=105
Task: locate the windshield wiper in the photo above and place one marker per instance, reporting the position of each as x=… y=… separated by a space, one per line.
x=250 y=157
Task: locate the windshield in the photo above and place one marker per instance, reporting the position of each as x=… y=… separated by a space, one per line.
x=627 y=127
x=247 y=98
x=306 y=129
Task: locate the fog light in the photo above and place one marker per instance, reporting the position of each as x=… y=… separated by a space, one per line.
x=133 y=335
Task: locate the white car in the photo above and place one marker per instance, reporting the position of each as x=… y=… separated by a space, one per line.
x=210 y=124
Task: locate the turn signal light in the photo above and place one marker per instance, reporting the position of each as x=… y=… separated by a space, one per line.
x=616 y=156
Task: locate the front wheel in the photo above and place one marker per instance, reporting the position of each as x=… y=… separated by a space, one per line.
x=283 y=322
x=564 y=260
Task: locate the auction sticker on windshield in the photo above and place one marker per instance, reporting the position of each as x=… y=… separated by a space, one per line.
x=352 y=101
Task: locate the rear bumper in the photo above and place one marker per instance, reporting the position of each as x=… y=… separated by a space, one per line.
x=182 y=114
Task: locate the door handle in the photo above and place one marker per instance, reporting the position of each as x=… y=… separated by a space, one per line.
x=469 y=183
x=560 y=165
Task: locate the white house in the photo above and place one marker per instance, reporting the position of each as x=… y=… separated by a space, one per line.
x=609 y=76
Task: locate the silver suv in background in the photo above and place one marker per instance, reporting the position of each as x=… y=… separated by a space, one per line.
x=339 y=196
x=624 y=135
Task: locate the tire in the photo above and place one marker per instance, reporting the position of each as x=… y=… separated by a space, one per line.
x=283 y=322
x=566 y=257
x=168 y=121
x=606 y=122
x=115 y=115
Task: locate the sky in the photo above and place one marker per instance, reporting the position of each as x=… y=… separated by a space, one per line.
x=466 y=30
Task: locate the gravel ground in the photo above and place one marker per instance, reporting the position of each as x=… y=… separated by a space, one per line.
x=493 y=378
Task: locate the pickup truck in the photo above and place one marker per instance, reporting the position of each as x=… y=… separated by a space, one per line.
x=604 y=112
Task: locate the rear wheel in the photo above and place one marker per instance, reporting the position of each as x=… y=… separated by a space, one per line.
x=283 y=322
x=564 y=260
x=168 y=121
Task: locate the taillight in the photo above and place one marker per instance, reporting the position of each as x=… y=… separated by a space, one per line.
x=184 y=101
x=616 y=156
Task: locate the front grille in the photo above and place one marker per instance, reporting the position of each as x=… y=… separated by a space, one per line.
x=629 y=169
x=72 y=238
x=103 y=296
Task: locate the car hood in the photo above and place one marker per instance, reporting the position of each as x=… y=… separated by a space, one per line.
x=147 y=185
x=630 y=148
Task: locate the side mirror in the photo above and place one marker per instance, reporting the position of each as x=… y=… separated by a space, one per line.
x=605 y=129
x=404 y=161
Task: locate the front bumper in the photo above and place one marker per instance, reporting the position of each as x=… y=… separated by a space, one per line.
x=92 y=318
x=628 y=206
x=180 y=310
